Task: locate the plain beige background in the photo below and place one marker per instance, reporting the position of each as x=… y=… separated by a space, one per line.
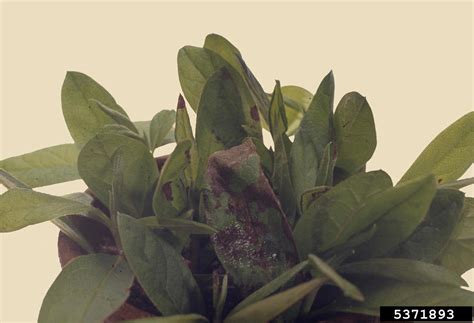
x=413 y=61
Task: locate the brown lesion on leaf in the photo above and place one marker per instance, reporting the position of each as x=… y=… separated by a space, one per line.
x=167 y=191
x=254 y=113
x=181 y=103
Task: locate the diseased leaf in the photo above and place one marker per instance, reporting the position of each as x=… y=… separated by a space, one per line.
x=160 y=126
x=297 y=101
x=433 y=234
x=220 y=118
x=457 y=255
x=280 y=178
x=88 y=290
x=333 y=218
x=46 y=166
x=311 y=195
x=160 y=270
x=139 y=173
x=83 y=117
x=449 y=155
x=254 y=242
x=20 y=207
x=398 y=211
x=271 y=307
x=178 y=224
x=169 y=199
x=355 y=132
x=189 y=318
x=404 y=270
x=323 y=268
x=271 y=287
x=388 y=292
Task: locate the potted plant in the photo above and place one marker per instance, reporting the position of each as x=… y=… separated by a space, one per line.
x=226 y=229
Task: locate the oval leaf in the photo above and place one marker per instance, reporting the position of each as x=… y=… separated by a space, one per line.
x=88 y=290
x=160 y=126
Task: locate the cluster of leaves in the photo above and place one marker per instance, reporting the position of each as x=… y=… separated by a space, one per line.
x=230 y=230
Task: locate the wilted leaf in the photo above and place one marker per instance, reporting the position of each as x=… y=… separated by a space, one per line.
x=46 y=166
x=139 y=171
x=88 y=290
x=457 y=255
x=170 y=199
x=83 y=117
x=355 y=132
x=433 y=234
x=397 y=211
x=160 y=270
x=160 y=126
x=271 y=307
x=449 y=155
x=20 y=207
x=323 y=268
x=404 y=270
x=334 y=217
x=254 y=242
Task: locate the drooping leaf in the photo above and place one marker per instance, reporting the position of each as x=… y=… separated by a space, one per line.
x=315 y=132
x=404 y=270
x=433 y=234
x=271 y=307
x=178 y=224
x=169 y=199
x=117 y=116
x=386 y=292
x=46 y=166
x=280 y=178
x=325 y=270
x=89 y=289
x=220 y=118
x=398 y=211
x=254 y=242
x=271 y=287
x=189 y=318
x=160 y=270
x=355 y=132
x=139 y=171
x=160 y=126
x=297 y=101
x=333 y=218
x=457 y=255
x=449 y=155
x=83 y=117
x=20 y=207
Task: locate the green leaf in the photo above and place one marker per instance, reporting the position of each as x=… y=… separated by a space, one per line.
x=315 y=132
x=88 y=290
x=271 y=287
x=404 y=270
x=457 y=255
x=220 y=118
x=221 y=297
x=117 y=116
x=139 y=172
x=189 y=318
x=160 y=126
x=449 y=155
x=144 y=131
x=231 y=54
x=398 y=211
x=83 y=117
x=20 y=207
x=46 y=166
x=433 y=234
x=458 y=184
x=297 y=101
x=280 y=179
x=178 y=224
x=271 y=307
x=355 y=132
x=160 y=270
x=169 y=199
x=325 y=172
x=387 y=292
x=311 y=195
x=334 y=217
x=323 y=268
x=254 y=242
